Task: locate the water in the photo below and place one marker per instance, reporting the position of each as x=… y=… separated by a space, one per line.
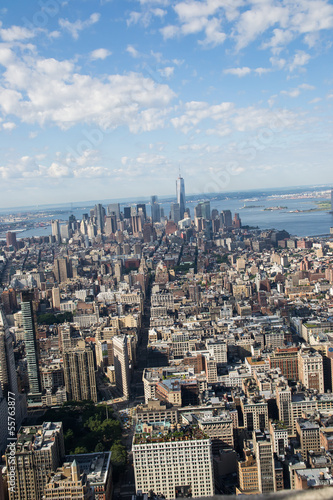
x=297 y=224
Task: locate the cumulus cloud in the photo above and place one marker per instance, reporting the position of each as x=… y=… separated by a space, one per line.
x=84 y=165
x=47 y=91
x=99 y=54
x=75 y=27
x=300 y=59
x=237 y=71
x=276 y=24
x=228 y=118
x=145 y=17
x=132 y=51
x=16 y=33
x=167 y=72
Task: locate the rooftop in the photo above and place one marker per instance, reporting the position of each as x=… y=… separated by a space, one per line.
x=186 y=433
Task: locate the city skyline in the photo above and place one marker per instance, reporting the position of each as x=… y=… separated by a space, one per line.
x=108 y=99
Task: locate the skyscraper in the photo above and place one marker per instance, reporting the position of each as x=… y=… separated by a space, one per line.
x=39 y=450
x=203 y=210
x=11 y=239
x=155 y=209
x=30 y=339
x=100 y=214
x=79 y=373
x=175 y=213
x=263 y=449
x=8 y=376
x=141 y=207
x=180 y=191
x=114 y=209
x=121 y=364
x=55 y=228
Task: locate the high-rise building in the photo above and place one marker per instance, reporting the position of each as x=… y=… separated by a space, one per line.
x=309 y=436
x=79 y=374
x=255 y=414
x=8 y=299
x=180 y=191
x=202 y=210
x=11 y=239
x=155 y=209
x=286 y=359
x=136 y=223
x=56 y=298
x=127 y=212
x=99 y=214
x=68 y=482
x=248 y=481
x=226 y=218
x=310 y=369
x=55 y=229
x=236 y=222
x=110 y=224
x=61 y=269
x=263 y=450
x=121 y=364
x=30 y=341
x=8 y=381
x=175 y=213
x=283 y=401
x=141 y=208
x=38 y=451
x=8 y=378
x=114 y=209
x=172 y=467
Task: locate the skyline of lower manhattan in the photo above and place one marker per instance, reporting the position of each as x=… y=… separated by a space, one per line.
x=166 y=249
x=111 y=99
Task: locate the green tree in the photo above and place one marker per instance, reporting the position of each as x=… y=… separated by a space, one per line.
x=80 y=449
x=118 y=454
x=99 y=447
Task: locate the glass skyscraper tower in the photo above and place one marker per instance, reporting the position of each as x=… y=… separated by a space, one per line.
x=30 y=338
x=180 y=190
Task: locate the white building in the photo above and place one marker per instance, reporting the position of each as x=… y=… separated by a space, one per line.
x=174 y=467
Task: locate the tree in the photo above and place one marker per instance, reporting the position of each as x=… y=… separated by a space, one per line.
x=80 y=449
x=99 y=447
x=118 y=454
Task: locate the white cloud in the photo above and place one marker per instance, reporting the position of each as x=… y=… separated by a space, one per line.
x=315 y=100
x=47 y=91
x=196 y=17
x=167 y=72
x=9 y=125
x=77 y=26
x=164 y=3
x=229 y=119
x=86 y=165
x=196 y=111
x=145 y=17
x=99 y=54
x=246 y=71
x=132 y=51
x=16 y=33
x=276 y=23
x=262 y=71
x=291 y=93
x=300 y=59
x=238 y=71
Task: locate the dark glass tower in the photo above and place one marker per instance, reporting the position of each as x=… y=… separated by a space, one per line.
x=180 y=191
x=30 y=339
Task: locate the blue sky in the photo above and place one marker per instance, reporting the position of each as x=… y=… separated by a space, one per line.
x=108 y=99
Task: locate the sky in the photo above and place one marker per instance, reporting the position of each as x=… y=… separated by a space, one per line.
x=109 y=99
